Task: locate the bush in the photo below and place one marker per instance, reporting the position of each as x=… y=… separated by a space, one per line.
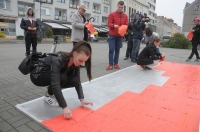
x=49 y=33
x=20 y=37
x=177 y=41
x=39 y=39
x=2 y=35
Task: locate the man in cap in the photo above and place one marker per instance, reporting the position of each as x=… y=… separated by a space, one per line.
x=79 y=22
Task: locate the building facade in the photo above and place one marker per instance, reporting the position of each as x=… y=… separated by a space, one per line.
x=190 y=11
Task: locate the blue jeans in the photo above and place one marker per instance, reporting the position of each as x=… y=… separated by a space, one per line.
x=135 y=50
x=115 y=43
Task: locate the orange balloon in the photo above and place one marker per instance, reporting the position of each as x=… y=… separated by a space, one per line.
x=190 y=35
x=122 y=30
x=90 y=27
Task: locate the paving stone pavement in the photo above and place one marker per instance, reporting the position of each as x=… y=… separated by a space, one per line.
x=16 y=88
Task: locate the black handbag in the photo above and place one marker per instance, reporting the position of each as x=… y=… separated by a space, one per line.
x=25 y=65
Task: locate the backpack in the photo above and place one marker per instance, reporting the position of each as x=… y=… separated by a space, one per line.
x=30 y=62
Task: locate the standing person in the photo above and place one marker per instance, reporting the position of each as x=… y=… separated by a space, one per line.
x=79 y=22
x=138 y=28
x=30 y=26
x=129 y=43
x=62 y=71
x=115 y=20
x=149 y=54
x=195 y=40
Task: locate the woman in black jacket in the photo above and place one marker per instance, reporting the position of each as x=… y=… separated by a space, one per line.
x=63 y=71
x=30 y=26
x=149 y=54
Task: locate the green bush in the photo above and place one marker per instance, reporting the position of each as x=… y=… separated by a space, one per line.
x=20 y=37
x=49 y=33
x=177 y=41
x=39 y=39
x=2 y=35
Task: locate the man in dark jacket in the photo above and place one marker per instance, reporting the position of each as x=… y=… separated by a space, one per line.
x=138 y=29
x=30 y=26
x=195 y=39
x=149 y=54
x=115 y=20
x=129 y=43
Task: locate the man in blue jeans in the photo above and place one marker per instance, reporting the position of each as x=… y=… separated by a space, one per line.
x=138 y=28
x=115 y=20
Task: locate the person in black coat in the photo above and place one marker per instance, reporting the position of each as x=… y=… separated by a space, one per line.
x=129 y=38
x=149 y=54
x=30 y=26
x=195 y=40
x=63 y=71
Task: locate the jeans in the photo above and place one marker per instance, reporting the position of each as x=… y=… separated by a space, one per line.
x=135 y=50
x=115 y=43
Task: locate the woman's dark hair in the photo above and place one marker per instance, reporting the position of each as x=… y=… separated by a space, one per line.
x=148 y=31
x=156 y=39
x=81 y=46
x=28 y=12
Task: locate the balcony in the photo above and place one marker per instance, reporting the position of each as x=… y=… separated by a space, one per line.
x=96 y=11
x=61 y=18
x=73 y=6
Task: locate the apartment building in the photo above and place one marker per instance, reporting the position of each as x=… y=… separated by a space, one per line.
x=190 y=11
x=53 y=13
x=166 y=26
x=8 y=17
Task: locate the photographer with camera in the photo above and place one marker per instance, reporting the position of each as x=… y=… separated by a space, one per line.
x=138 y=27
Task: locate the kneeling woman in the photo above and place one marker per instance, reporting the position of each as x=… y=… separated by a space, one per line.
x=64 y=72
x=149 y=54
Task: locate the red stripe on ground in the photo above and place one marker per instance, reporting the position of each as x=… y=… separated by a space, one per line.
x=174 y=107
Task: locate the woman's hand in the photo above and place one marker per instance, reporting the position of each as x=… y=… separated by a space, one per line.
x=83 y=103
x=67 y=113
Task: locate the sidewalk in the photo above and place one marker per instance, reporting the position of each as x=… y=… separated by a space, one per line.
x=16 y=88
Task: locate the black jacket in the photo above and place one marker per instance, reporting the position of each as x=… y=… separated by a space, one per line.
x=138 y=29
x=59 y=76
x=25 y=23
x=196 y=33
x=148 y=54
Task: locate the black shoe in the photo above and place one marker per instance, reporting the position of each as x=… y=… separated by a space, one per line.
x=126 y=58
x=143 y=67
x=197 y=60
x=134 y=61
x=148 y=68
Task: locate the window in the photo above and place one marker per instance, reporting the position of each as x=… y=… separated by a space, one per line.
x=106 y=2
x=105 y=9
x=61 y=1
x=87 y=4
x=45 y=11
x=96 y=19
x=4 y=4
x=22 y=9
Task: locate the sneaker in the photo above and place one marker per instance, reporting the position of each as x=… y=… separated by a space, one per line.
x=116 y=66
x=188 y=60
x=197 y=60
x=126 y=58
x=51 y=100
x=109 y=67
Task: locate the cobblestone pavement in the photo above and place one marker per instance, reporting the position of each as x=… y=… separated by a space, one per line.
x=16 y=88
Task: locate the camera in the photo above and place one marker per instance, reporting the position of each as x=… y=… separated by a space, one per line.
x=138 y=17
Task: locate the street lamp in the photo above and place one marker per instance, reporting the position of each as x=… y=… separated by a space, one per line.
x=42 y=2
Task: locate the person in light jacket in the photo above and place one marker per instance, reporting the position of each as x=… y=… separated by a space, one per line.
x=79 y=22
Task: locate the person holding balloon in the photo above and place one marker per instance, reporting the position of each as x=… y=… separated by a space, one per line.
x=195 y=39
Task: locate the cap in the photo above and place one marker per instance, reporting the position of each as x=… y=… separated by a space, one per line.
x=83 y=7
x=196 y=19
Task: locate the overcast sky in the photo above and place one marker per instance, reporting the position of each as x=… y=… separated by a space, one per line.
x=172 y=9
